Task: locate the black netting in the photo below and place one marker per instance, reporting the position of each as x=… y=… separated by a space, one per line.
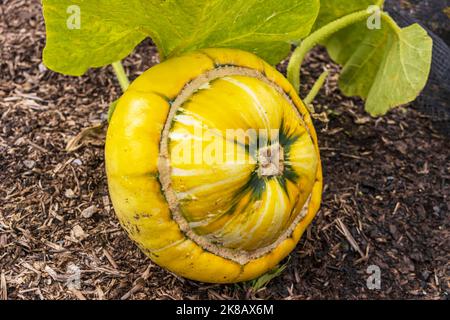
x=433 y=16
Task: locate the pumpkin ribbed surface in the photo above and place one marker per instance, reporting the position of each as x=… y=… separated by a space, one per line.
x=213 y=165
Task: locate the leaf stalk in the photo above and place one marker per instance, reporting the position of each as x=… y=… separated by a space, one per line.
x=293 y=71
x=315 y=90
x=318 y=36
x=121 y=75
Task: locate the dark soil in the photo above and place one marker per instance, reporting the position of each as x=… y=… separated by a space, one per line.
x=386 y=197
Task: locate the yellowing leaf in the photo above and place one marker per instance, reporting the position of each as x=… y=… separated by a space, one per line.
x=387 y=67
x=83 y=34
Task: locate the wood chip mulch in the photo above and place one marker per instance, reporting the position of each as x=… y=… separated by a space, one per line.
x=386 y=198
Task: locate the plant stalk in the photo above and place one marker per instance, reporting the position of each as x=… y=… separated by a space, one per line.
x=121 y=75
x=315 y=90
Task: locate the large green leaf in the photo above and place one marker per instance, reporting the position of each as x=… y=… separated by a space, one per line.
x=110 y=30
x=387 y=67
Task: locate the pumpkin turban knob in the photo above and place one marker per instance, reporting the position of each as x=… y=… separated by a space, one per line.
x=213 y=165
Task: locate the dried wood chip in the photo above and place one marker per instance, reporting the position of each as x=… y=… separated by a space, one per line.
x=349 y=237
x=138 y=284
x=3 y=287
x=3 y=240
x=78 y=233
x=69 y=193
x=89 y=211
x=78 y=294
x=110 y=259
x=94 y=135
x=29 y=164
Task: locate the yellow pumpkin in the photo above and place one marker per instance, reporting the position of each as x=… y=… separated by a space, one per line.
x=213 y=165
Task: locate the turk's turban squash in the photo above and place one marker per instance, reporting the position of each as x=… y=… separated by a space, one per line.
x=213 y=165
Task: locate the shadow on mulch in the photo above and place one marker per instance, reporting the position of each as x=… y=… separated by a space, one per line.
x=386 y=196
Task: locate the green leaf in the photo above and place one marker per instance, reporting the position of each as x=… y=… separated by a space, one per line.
x=263 y=280
x=110 y=30
x=111 y=109
x=386 y=67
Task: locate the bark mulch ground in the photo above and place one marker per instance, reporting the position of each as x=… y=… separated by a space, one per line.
x=386 y=197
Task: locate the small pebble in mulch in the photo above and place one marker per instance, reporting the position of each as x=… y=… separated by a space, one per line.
x=29 y=163
x=89 y=212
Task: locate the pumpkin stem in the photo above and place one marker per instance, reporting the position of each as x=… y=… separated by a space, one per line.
x=271 y=161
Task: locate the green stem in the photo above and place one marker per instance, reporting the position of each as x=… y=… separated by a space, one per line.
x=293 y=71
x=121 y=75
x=387 y=18
x=295 y=63
x=315 y=90
x=380 y=3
